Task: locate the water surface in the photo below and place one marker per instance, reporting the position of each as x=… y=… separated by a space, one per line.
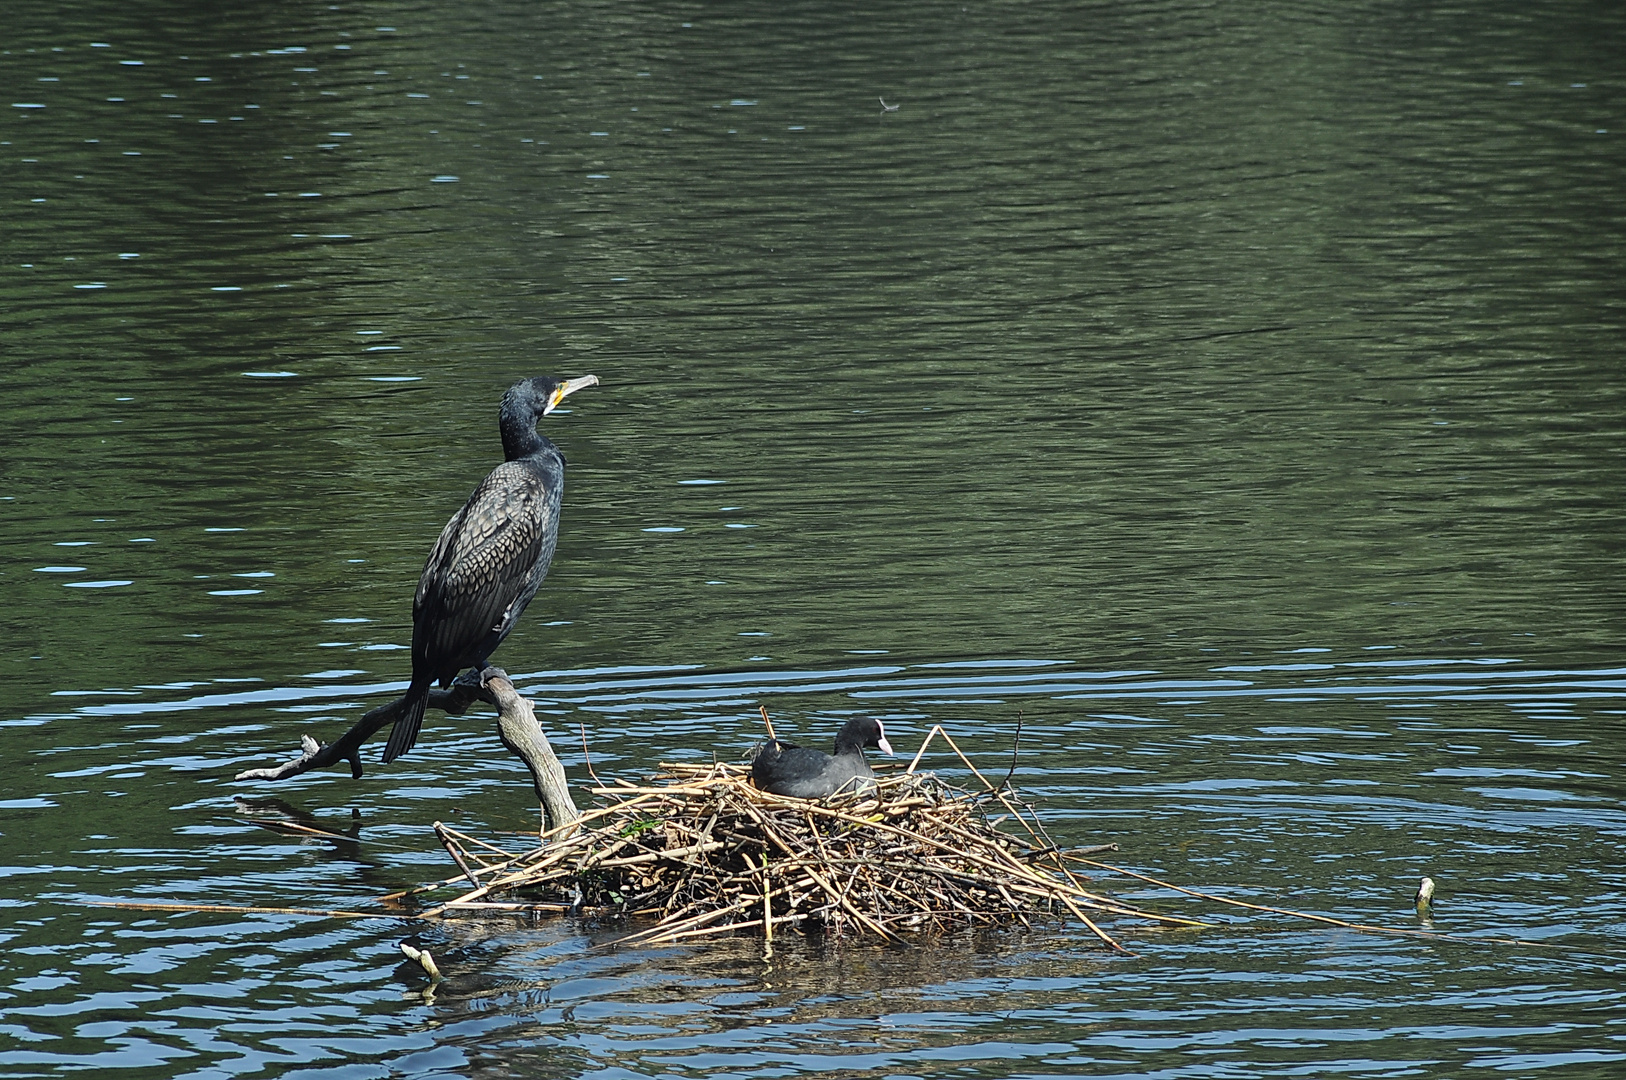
x=1233 y=392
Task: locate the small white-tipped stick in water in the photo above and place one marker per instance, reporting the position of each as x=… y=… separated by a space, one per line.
x=1424 y=901
x=424 y=960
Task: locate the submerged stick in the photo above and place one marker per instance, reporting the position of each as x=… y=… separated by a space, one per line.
x=294 y=828
x=1329 y=920
x=134 y=905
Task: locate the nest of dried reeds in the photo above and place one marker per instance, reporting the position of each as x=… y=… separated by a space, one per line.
x=700 y=851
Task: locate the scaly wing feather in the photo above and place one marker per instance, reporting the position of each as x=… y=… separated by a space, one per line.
x=485 y=560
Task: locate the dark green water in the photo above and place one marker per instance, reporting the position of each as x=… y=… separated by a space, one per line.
x=1233 y=389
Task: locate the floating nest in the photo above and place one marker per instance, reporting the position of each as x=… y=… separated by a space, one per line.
x=700 y=851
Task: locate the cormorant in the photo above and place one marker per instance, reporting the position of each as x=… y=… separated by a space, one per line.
x=786 y=769
x=491 y=557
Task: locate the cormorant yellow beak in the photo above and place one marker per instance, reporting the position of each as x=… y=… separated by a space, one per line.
x=565 y=389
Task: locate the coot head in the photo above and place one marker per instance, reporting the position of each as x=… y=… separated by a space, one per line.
x=859 y=732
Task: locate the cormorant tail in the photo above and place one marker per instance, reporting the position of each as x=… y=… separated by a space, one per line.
x=405 y=732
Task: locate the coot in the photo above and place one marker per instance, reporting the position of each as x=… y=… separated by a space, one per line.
x=786 y=769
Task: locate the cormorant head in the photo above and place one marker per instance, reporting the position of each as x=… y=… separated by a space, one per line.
x=542 y=395
x=557 y=392
x=528 y=400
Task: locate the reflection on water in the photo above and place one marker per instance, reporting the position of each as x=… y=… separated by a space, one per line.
x=1328 y=782
x=1230 y=392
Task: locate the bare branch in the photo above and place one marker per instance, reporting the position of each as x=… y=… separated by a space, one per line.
x=315 y=755
x=520 y=732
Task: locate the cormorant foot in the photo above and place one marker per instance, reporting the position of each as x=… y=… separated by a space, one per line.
x=492 y=672
x=471 y=677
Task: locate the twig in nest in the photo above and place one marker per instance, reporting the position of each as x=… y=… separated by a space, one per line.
x=457 y=856
x=1016 y=744
x=467 y=841
x=588 y=757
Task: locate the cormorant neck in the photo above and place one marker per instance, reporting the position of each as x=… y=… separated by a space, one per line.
x=519 y=436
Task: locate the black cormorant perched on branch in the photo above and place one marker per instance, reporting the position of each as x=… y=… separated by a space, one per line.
x=491 y=557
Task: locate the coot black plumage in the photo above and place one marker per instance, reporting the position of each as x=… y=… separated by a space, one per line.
x=786 y=769
x=491 y=557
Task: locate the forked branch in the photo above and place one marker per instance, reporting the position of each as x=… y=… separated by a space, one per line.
x=347 y=747
x=516 y=724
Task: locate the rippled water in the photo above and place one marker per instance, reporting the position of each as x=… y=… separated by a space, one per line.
x=1232 y=391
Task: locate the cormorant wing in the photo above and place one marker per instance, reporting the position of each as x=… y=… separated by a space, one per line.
x=483 y=562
